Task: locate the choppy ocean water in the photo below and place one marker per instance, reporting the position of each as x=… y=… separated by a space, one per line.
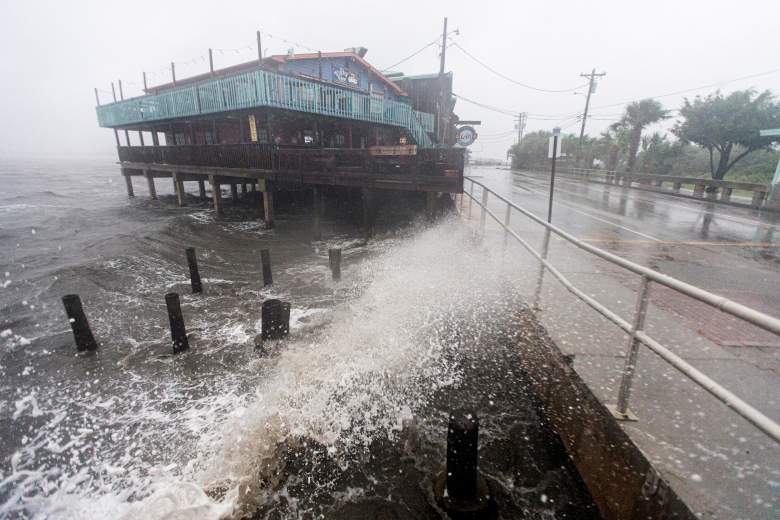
x=345 y=419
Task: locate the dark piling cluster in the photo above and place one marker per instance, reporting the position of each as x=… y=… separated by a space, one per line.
x=275 y=313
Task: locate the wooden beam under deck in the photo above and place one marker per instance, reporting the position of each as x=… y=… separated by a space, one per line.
x=424 y=183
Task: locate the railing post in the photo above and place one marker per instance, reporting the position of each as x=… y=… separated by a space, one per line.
x=540 y=277
x=507 y=216
x=482 y=215
x=471 y=197
x=633 y=351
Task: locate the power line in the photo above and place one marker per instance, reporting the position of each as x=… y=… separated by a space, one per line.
x=684 y=91
x=415 y=53
x=494 y=71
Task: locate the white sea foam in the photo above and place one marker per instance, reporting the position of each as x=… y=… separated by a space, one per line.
x=377 y=359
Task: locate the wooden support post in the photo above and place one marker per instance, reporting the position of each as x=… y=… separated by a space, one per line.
x=155 y=138
x=129 y=184
x=430 y=204
x=192 y=263
x=202 y=189
x=150 y=181
x=243 y=188
x=676 y=187
x=141 y=137
x=268 y=207
x=758 y=199
x=698 y=190
x=234 y=191
x=178 y=331
x=334 y=259
x=368 y=212
x=216 y=193
x=265 y=261
x=725 y=195
x=178 y=183
x=317 y=195
x=116 y=136
x=127 y=137
x=78 y=323
x=275 y=319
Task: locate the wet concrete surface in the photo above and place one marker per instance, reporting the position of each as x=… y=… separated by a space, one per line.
x=720 y=464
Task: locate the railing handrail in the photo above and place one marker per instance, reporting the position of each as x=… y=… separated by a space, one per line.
x=259 y=88
x=765 y=321
x=673 y=178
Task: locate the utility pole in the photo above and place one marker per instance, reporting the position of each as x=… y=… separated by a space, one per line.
x=522 y=117
x=440 y=133
x=591 y=87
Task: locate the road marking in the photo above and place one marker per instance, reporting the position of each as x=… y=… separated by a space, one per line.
x=664 y=202
x=649 y=237
x=769 y=245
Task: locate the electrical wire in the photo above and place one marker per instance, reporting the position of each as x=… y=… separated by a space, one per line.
x=494 y=71
x=415 y=53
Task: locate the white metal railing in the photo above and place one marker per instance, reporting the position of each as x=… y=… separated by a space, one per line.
x=635 y=329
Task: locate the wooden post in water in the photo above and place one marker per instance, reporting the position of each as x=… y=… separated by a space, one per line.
x=202 y=189
x=265 y=259
x=334 y=258
x=178 y=331
x=150 y=182
x=317 y=194
x=128 y=183
x=192 y=262
x=78 y=323
x=233 y=191
x=178 y=184
x=275 y=319
x=243 y=188
x=268 y=207
x=216 y=193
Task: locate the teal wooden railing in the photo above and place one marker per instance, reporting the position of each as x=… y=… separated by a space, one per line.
x=261 y=88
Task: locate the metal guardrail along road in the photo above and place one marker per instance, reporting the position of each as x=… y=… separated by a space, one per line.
x=635 y=329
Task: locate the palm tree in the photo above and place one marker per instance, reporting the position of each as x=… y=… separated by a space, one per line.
x=638 y=115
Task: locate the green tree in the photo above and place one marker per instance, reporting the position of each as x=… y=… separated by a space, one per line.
x=728 y=125
x=638 y=115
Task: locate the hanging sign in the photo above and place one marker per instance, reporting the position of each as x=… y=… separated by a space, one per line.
x=466 y=135
x=343 y=75
x=252 y=128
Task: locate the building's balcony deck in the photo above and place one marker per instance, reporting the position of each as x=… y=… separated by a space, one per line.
x=260 y=88
x=438 y=170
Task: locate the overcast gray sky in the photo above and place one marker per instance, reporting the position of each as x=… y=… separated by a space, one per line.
x=55 y=53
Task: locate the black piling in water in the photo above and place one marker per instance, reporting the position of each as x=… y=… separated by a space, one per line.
x=192 y=260
x=462 y=456
x=178 y=332
x=334 y=257
x=78 y=323
x=461 y=490
x=265 y=258
x=275 y=319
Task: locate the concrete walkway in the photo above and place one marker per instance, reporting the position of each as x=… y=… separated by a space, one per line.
x=720 y=464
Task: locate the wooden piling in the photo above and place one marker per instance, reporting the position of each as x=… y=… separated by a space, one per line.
x=268 y=208
x=275 y=319
x=216 y=193
x=461 y=490
x=265 y=259
x=129 y=184
x=78 y=323
x=318 y=203
x=150 y=182
x=178 y=331
x=178 y=184
x=192 y=262
x=202 y=189
x=243 y=188
x=233 y=191
x=334 y=258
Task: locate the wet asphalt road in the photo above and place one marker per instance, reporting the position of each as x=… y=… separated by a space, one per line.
x=728 y=250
